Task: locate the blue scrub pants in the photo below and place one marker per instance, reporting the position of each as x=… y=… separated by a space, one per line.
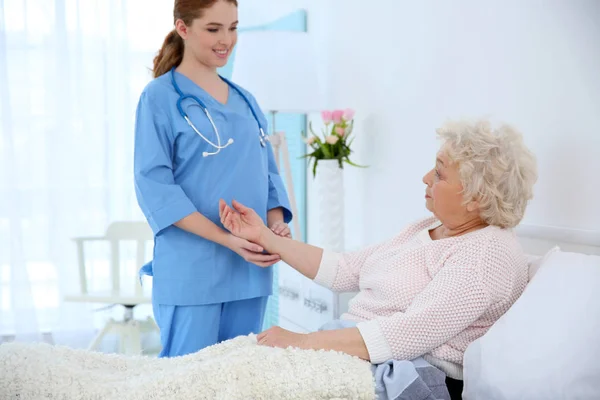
x=187 y=329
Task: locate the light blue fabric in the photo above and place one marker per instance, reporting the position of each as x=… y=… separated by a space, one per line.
x=173 y=179
x=188 y=329
x=403 y=380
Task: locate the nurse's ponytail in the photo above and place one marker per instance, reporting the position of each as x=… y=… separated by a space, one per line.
x=171 y=52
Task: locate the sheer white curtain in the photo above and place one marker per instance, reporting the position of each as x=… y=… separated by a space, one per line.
x=71 y=72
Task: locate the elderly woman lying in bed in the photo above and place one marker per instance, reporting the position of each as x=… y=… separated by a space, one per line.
x=442 y=281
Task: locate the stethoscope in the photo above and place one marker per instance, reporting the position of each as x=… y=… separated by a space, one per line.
x=263 y=138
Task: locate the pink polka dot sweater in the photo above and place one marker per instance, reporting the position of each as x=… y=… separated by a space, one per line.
x=430 y=298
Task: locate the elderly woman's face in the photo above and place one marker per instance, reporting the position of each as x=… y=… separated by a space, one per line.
x=443 y=195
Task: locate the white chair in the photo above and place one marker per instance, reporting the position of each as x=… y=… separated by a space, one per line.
x=129 y=330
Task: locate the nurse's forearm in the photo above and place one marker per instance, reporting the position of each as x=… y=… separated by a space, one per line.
x=303 y=257
x=198 y=224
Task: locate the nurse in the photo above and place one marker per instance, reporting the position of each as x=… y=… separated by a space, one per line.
x=199 y=138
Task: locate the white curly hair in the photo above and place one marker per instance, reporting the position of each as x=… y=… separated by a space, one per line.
x=495 y=166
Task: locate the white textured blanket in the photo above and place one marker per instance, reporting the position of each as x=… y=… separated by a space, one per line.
x=236 y=369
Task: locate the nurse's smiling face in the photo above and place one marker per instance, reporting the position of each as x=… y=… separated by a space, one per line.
x=212 y=37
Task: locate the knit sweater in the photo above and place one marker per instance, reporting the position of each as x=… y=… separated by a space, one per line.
x=424 y=297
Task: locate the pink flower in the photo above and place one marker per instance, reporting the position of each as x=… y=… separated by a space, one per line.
x=310 y=140
x=348 y=114
x=332 y=139
x=339 y=130
x=326 y=115
x=337 y=116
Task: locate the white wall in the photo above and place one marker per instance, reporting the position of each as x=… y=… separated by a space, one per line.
x=407 y=66
x=260 y=12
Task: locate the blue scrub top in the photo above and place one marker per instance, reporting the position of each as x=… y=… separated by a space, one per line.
x=173 y=179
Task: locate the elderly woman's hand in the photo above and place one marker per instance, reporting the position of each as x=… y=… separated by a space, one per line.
x=279 y=337
x=349 y=340
x=241 y=221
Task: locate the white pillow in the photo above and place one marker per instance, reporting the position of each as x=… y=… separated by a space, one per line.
x=535 y=262
x=547 y=346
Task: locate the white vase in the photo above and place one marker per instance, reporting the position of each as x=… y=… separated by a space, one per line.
x=330 y=191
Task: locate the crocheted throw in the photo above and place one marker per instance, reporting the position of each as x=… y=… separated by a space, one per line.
x=236 y=369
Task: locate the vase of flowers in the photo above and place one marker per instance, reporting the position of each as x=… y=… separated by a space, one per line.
x=335 y=139
x=328 y=153
x=329 y=187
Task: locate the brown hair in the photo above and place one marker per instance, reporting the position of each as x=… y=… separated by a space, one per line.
x=171 y=52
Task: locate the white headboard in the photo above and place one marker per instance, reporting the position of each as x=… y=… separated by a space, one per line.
x=537 y=240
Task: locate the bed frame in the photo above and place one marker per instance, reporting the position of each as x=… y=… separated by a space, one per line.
x=537 y=239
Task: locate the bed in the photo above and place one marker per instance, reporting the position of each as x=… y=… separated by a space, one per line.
x=544 y=347
x=236 y=369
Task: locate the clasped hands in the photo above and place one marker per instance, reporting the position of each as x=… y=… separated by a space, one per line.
x=245 y=224
x=248 y=233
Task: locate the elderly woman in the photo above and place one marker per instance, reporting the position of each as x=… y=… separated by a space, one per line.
x=441 y=282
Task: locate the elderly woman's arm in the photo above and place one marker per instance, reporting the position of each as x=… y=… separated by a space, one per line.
x=303 y=257
x=347 y=340
x=339 y=272
x=245 y=223
x=456 y=297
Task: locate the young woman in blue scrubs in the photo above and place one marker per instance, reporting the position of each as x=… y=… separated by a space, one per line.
x=208 y=285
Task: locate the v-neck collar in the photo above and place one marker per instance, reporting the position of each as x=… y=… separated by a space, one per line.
x=205 y=95
x=425 y=235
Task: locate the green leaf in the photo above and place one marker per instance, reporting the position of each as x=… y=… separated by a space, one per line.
x=351 y=126
x=326 y=151
x=310 y=127
x=355 y=165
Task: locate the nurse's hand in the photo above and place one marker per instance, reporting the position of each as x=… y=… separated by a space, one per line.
x=251 y=252
x=282 y=229
x=241 y=221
